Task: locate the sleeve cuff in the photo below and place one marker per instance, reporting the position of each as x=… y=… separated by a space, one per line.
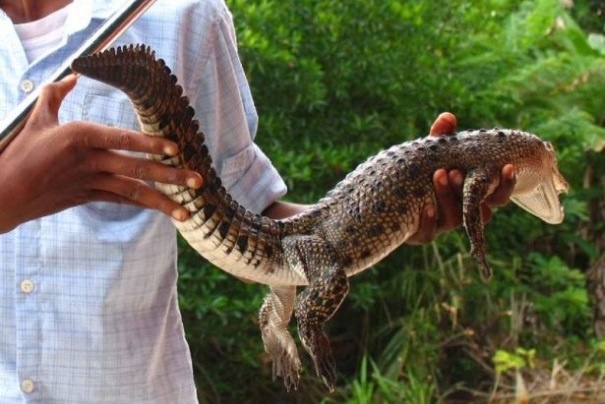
x=251 y=179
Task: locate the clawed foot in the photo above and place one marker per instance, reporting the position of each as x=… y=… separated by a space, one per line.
x=281 y=347
x=318 y=346
x=274 y=317
x=288 y=368
x=484 y=269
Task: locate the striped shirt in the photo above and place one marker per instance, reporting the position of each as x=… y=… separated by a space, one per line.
x=88 y=300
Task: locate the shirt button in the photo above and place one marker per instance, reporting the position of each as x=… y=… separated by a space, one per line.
x=27 y=386
x=26 y=86
x=27 y=286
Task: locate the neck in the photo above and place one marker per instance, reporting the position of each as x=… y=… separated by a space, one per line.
x=22 y=11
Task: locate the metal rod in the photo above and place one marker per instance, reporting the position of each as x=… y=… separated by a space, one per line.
x=100 y=40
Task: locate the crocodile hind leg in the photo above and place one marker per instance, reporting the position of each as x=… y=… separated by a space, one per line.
x=477 y=185
x=314 y=307
x=274 y=316
x=317 y=303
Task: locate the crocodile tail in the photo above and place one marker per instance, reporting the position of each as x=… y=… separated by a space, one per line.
x=135 y=70
x=219 y=228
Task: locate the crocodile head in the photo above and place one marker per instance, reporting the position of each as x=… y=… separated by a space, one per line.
x=539 y=183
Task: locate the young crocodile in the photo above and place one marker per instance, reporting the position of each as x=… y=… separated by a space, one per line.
x=365 y=217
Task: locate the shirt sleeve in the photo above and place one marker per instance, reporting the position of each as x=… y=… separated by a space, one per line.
x=228 y=118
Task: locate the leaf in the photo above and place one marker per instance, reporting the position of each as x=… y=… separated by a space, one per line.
x=597 y=42
x=505 y=361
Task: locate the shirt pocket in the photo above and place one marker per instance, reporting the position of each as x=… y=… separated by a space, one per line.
x=108 y=106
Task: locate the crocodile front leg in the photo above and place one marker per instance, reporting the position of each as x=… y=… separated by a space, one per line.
x=328 y=286
x=274 y=316
x=477 y=185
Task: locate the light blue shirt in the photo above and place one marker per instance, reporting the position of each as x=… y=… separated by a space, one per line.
x=88 y=301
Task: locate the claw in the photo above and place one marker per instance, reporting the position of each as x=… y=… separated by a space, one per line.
x=325 y=366
x=288 y=368
x=274 y=317
x=484 y=269
x=286 y=364
x=317 y=344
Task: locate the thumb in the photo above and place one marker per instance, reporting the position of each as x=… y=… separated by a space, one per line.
x=445 y=124
x=50 y=99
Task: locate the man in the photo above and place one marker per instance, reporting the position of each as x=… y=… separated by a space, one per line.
x=88 y=302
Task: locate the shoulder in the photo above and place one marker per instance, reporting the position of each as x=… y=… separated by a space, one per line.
x=180 y=30
x=202 y=11
x=206 y=8
x=187 y=23
x=104 y=8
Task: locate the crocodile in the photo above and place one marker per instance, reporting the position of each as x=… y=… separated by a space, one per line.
x=367 y=215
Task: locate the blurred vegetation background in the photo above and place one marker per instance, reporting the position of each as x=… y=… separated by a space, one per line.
x=336 y=81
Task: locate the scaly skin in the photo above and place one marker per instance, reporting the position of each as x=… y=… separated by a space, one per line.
x=367 y=215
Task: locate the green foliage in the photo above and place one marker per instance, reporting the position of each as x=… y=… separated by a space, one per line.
x=559 y=292
x=378 y=388
x=519 y=359
x=336 y=81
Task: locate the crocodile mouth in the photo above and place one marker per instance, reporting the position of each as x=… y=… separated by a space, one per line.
x=542 y=200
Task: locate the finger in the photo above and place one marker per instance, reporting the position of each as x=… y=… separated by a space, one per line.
x=51 y=96
x=456 y=182
x=90 y=135
x=97 y=195
x=142 y=169
x=64 y=86
x=502 y=193
x=445 y=124
x=427 y=227
x=133 y=192
x=448 y=201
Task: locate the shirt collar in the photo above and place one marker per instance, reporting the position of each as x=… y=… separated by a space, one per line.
x=81 y=14
x=84 y=11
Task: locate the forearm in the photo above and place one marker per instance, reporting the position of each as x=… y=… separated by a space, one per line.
x=282 y=210
x=9 y=217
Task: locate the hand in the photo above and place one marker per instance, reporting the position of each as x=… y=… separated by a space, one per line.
x=448 y=189
x=50 y=167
